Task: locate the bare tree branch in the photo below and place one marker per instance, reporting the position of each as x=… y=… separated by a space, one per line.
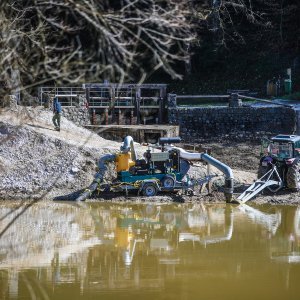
x=73 y=41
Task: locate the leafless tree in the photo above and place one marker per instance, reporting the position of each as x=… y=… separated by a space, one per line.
x=74 y=41
x=225 y=18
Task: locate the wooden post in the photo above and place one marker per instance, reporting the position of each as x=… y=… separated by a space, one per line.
x=138 y=105
x=209 y=184
x=162 y=100
x=94 y=117
x=160 y=111
x=172 y=100
x=87 y=96
x=141 y=136
x=234 y=100
x=131 y=117
x=106 y=116
x=119 y=117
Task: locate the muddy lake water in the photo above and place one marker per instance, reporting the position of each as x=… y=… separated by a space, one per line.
x=149 y=251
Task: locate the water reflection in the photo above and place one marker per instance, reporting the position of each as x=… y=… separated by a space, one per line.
x=62 y=251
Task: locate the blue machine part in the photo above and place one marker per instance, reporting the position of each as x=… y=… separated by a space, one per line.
x=184 y=167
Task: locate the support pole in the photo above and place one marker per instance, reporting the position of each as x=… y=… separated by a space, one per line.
x=87 y=95
x=119 y=117
x=131 y=118
x=106 y=116
x=138 y=105
x=234 y=100
x=162 y=101
x=94 y=117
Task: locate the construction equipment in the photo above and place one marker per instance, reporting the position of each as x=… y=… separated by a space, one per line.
x=279 y=167
x=157 y=171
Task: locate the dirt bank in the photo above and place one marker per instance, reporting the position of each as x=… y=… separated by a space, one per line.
x=37 y=162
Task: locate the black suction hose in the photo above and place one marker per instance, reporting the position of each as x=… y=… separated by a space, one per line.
x=98 y=177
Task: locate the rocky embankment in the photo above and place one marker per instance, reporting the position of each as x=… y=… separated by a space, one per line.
x=38 y=162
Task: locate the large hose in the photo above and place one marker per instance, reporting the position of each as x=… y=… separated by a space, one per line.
x=128 y=145
x=98 y=177
x=229 y=186
x=228 y=189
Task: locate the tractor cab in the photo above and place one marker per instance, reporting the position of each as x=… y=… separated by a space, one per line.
x=283 y=147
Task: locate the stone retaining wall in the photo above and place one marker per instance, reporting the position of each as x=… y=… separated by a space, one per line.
x=79 y=115
x=242 y=123
x=298 y=121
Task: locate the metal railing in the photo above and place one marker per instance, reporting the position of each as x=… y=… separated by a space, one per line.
x=232 y=98
x=107 y=102
x=68 y=96
x=190 y=99
x=123 y=102
x=106 y=95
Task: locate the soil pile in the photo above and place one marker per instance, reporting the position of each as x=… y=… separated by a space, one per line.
x=38 y=162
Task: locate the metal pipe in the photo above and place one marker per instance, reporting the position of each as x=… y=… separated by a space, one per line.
x=98 y=177
x=229 y=178
x=128 y=144
x=219 y=165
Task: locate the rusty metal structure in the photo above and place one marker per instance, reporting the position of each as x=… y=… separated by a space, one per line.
x=114 y=103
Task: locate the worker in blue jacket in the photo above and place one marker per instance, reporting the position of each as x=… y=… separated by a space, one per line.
x=57 y=113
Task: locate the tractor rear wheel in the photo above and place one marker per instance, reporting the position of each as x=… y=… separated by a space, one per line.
x=293 y=177
x=262 y=171
x=149 y=189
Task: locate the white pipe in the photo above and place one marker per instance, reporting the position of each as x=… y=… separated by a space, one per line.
x=186 y=155
x=128 y=144
x=219 y=165
x=204 y=156
x=228 y=190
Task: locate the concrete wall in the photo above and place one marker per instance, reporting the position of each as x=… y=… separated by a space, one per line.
x=140 y=133
x=240 y=123
x=78 y=115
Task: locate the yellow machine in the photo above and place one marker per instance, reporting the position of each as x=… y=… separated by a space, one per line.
x=124 y=162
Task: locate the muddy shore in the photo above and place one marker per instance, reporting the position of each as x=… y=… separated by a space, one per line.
x=37 y=162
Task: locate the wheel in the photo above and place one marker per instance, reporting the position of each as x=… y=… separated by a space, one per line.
x=149 y=189
x=168 y=182
x=293 y=177
x=262 y=171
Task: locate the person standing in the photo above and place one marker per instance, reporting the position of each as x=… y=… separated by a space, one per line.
x=57 y=113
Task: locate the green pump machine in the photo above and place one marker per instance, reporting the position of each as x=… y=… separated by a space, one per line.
x=163 y=168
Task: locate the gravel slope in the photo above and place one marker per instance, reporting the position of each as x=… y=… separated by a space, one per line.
x=37 y=161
